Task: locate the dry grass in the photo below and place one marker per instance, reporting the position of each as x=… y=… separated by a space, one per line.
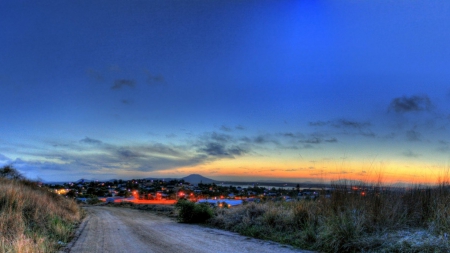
x=356 y=218
x=33 y=219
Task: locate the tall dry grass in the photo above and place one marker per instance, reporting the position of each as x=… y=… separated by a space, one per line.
x=32 y=219
x=356 y=218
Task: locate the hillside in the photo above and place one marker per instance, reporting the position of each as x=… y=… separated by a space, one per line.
x=32 y=219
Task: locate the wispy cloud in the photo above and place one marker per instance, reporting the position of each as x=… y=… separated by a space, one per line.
x=411 y=104
x=217 y=145
x=265 y=138
x=409 y=153
x=154 y=79
x=345 y=123
x=120 y=83
x=95 y=75
x=341 y=123
x=317 y=138
x=444 y=146
x=225 y=128
x=413 y=135
x=91 y=141
x=126 y=153
x=348 y=126
x=127 y=101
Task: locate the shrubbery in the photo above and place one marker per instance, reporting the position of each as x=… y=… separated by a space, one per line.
x=190 y=212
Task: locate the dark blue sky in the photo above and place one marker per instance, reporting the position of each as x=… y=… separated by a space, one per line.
x=228 y=89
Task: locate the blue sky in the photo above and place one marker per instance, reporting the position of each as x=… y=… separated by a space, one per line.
x=298 y=90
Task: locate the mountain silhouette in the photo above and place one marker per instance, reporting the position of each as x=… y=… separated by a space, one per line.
x=196 y=179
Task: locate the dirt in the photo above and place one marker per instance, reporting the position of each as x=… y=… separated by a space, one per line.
x=112 y=229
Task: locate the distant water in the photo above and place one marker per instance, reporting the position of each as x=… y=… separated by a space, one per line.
x=265 y=186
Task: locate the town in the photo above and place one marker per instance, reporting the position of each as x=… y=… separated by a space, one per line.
x=160 y=191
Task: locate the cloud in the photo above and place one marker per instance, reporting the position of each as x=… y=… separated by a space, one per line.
x=319 y=123
x=349 y=126
x=261 y=139
x=312 y=140
x=225 y=128
x=154 y=79
x=88 y=140
x=409 y=153
x=367 y=134
x=215 y=149
x=292 y=135
x=127 y=101
x=128 y=154
x=120 y=83
x=411 y=104
x=95 y=75
x=4 y=158
x=341 y=123
x=317 y=138
x=161 y=149
x=444 y=146
x=239 y=127
x=413 y=135
x=216 y=145
x=332 y=140
x=113 y=160
x=220 y=137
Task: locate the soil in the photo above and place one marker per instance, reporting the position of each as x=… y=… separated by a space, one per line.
x=113 y=229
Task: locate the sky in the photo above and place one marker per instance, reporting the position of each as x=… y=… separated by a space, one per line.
x=233 y=90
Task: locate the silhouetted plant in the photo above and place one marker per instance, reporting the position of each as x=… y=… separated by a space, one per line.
x=9 y=172
x=190 y=212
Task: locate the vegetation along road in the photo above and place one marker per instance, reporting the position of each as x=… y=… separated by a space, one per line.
x=112 y=229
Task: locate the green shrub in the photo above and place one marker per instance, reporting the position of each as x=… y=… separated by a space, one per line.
x=93 y=200
x=190 y=212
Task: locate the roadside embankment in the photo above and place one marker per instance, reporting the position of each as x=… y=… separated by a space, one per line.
x=32 y=219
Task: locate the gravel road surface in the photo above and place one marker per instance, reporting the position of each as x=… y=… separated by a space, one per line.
x=112 y=229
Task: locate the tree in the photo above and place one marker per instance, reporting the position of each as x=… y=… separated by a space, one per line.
x=11 y=173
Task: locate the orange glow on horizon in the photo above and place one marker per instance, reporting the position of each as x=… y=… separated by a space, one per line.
x=323 y=171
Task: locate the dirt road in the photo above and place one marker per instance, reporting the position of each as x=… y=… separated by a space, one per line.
x=112 y=229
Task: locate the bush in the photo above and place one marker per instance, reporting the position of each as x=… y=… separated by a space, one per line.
x=93 y=200
x=9 y=172
x=190 y=212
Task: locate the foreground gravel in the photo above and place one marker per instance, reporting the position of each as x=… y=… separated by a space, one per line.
x=112 y=229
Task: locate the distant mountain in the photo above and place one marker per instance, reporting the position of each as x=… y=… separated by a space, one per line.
x=196 y=179
x=82 y=180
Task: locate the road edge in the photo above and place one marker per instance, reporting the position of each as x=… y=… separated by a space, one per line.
x=76 y=235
